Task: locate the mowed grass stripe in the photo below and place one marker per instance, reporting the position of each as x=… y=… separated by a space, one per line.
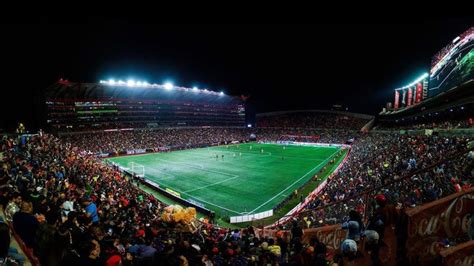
x=233 y=185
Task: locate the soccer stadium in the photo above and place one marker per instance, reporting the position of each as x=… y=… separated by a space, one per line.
x=135 y=171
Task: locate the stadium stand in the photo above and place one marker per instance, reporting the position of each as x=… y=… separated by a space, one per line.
x=403 y=193
x=64 y=177
x=313 y=119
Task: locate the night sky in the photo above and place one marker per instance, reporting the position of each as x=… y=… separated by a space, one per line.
x=281 y=67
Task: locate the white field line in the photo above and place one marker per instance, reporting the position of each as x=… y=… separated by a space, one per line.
x=268 y=154
x=213 y=184
x=204 y=201
x=188 y=164
x=281 y=192
x=218 y=206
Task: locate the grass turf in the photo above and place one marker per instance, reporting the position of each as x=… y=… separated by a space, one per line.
x=245 y=180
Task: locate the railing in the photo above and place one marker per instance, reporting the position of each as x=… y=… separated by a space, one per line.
x=28 y=251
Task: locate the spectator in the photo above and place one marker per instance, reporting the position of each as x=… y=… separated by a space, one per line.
x=13 y=206
x=91 y=210
x=26 y=224
x=354 y=225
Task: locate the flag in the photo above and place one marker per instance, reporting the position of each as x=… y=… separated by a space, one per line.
x=409 y=101
x=397 y=99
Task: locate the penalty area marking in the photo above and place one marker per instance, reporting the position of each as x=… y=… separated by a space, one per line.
x=213 y=184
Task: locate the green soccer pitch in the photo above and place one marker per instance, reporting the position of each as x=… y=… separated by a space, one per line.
x=242 y=179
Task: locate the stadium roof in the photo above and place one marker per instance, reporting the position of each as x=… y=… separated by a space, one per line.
x=66 y=90
x=456 y=96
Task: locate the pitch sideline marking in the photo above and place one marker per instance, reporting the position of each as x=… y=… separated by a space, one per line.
x=185 y=193
x=299 y=179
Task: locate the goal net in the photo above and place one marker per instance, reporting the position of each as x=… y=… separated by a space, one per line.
x=137 y=169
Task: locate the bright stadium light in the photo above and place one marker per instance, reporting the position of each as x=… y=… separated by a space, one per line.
x=139 y=83
x=419 y=79
x=195 y=89
x=111 y=82
x=131 y=82
x=221 y=93
x=168 y=86
x=249 y=125
x=121 y=82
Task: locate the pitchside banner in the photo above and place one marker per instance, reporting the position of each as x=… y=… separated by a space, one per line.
x=441 y=219
x=397 y=100
x=462 y=254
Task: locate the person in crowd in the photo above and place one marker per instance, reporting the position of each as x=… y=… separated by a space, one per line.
x=13 y=206
x=26 y=224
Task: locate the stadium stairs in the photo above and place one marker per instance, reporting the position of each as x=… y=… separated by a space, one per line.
x=368 y=126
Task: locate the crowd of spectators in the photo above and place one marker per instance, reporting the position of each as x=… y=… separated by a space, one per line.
x=378 y=159
x=141 y=139
x=71 y=208
x=439 y=124
x=156 y=139
x=312 y=120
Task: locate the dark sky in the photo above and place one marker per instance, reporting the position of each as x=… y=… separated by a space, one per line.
x=280 y=66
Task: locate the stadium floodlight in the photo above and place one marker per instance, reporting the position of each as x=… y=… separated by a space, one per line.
x=139 y=83
x=249 y=125
x=221 y=93
x=121 y=82
x=168 y=86
x=195 y=89
x=111 y=82
x=102 y=81
x=419 y=79
x=131 y=83
x=145 y=83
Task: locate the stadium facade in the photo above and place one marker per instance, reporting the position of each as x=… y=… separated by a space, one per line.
x=75 y=106
x=451 y=68
x=443 y=93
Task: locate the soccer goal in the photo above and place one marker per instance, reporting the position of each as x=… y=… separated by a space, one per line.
x=137 y=169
